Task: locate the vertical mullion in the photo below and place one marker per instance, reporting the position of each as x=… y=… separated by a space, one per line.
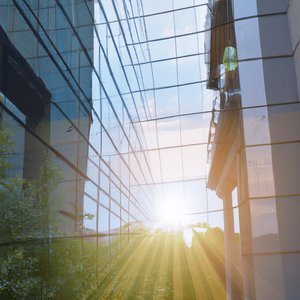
x=109 y=223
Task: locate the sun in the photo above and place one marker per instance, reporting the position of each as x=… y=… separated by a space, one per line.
x=173 y=210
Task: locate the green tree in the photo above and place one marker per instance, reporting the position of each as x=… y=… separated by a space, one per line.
x=27 y=219
x=37 y=259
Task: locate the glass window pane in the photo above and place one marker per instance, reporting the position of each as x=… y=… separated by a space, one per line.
x=190 y=98
x=115 y=193
x=264 y=225
x=104 y=199
x=124 y=202
x=168 y=132
x=244 y=9
x=195 y=196
x=91 y=189
x=248 y=39
x=216 y=219
x=188 y=70
x=160 y=26
x=256 y=126
x=171 y=161
x=154 y=6
x=251 y=74
x=114 y=223
x=124 y=215
x=260 y=171
x=115 y=208
x=174 y=192
x=187 y=45
x=194 y=162
x=147 y=76
x=92 y=171
x=165 y=73
x=201 y=13
x=185 y=21
x=214 y=202
x=103 y=220
x=104 y=182
x=87 y=218
x=181 y=4
x=154 y=160
x=149 y=129
x=162 y=49
x=166 y=101
x=192 y=129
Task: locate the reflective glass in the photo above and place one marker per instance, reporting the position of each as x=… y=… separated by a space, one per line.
x=124 y=201
x=264 y=225
x=93 y=172
x=214 y=202
x=201 y=42
x=162 y=49
x=187 y=45
x=166 y=101
x=110 y=113
x=103 y=219
x=130 y=73
x=252 y=75
x=179 y=4
x=202 y=12
x=194 y=161
x=91 y=189
x=115 y=193
x=260 y=171
x=115 y=208
x=244 y=8
x=168 y=132
x=216 y=219
x=156 y=6
x=146 y=76
x=195 y=196
x=256 y=126
x=190 y=98
x=154 y=159
x=171 y=164
x=164 y=73
x=124 y=215
x=185 y=21
x=188 y=70
x=192 y=129
x=87 y=218
x=160 y=26
x=104 y=199
x=248 y=39
x=150 y=132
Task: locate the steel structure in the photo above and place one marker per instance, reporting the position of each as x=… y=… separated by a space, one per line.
x=125 y=98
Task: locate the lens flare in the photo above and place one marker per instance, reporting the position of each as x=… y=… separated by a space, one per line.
x=173 y=211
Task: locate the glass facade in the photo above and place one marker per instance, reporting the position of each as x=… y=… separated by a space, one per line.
x=116 y=113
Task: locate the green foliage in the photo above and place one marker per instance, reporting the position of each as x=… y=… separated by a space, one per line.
x=135 y=227
x=28 y=209
x=38 y=260
x=81 y=216
x=33 y=265
x=215 y=237
x=158 y=230
x=199 y=225
x=6 y=147
x=215 y=231
x=161 y=266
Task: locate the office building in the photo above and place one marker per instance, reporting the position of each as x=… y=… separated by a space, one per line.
x=114 y=112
